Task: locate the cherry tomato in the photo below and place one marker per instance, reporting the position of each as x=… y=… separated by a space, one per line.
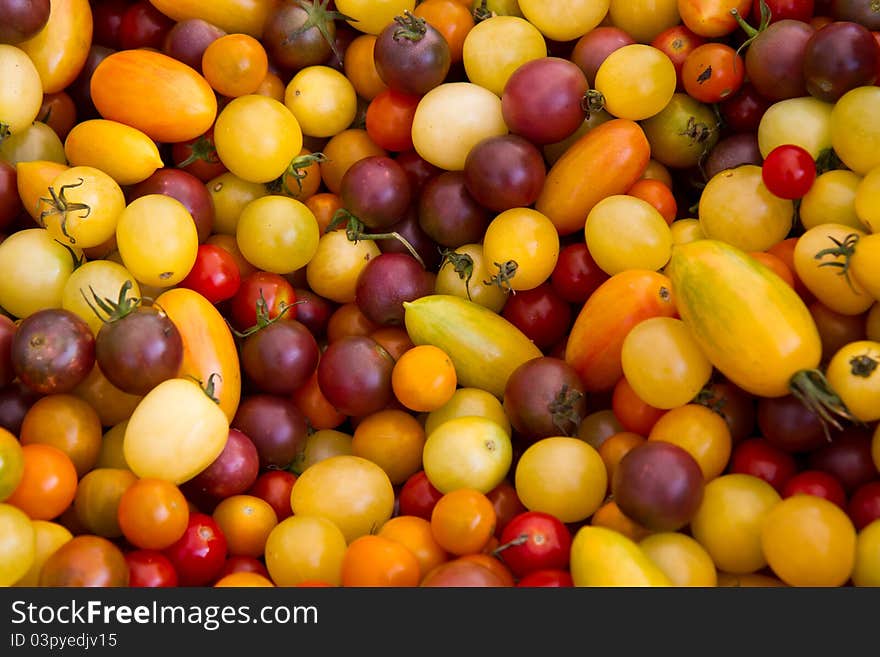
x=274 y=288
x=214 y=275
x=418 y=496
x=150 y=568
x=199 y=555
x=759 y=458
x=789 y=171
x=818 y=483
x=712 y=72
x=274 y=487
x=534 y=541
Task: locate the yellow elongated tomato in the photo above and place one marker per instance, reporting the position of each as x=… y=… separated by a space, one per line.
x=466 y=280
x=305 y=548
x=232 y=16
x=17 y=545
x=48 y=537
x=60 y=49
x=866 y=571
x=157 y=240
x=527 y=238
x=372 y=17
x=22 y=91
x=257 y=138
x=82 y=207
x=484 y=347
x=749 y=322
x=809 y=541
x=853 y=374
x=663 y=363
x=489 y=66
x=322 y=99
x=564 y=20
x=336 y=264
x=637 y=81
x=804 y=121
x=277 y=234
x=624 y=232
x=604 y=557
x=467 y=452
x=855 y=136
x=124 y=153
x=607 y=160
x=33 y=180
x=175 y=432
x=737 y=208
x=684 y=561
x=451 y=119
x=160 y=96
x=818 y=262
x=208 y=345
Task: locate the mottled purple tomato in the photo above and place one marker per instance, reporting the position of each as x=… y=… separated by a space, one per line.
x=299 y=34
x=847 y=458
x=231 y=473
x=279 y=357
x=775 y=60
x=789 y=425
x=107 y=20
x=594 y=47
x=541 y=314
x=534 y=541
x=274 y=424
x=21 y=20
x=313 y=311
x=504 y=172
x=543 y=100
x=187 y=189
x=839 y=57
x=659 y=485
x=188 y=39
x=417 y=169
x=376 y=190
x=150 y=569
x=389 y=280
x=449 y=214
x=200 y=553
x=864 y=12
x=788 y=171
x=576 y=275
x=545 y=397
x=53 y=351
x=354 y=374
x=15 y=401
x=411 y=56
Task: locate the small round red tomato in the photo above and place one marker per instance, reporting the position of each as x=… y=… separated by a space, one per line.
x=799 y=10
x=678 y=42
x=534 y=541
x=276 y=290
x=239 y=563
x=547 y=579
x=418 y=496
x=200 y=553
x=789 y=171
x=274 y=487
x=576 y=275
x=389 y=120
x=150 y=568
x=214 y=275
x=818 y=483
x=759 y=458
x=712 y=72
x=540 y=313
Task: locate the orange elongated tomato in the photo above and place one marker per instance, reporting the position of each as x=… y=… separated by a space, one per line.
x=749 y=322
x=596 y=340
x=60 y=49
x=160 y=96
x=208 y=345
x=233 y=16
x=607 y=160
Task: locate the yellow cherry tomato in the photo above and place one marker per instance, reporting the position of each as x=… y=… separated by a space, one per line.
x=230 y=195
x=334 y=268
x=103 y=278
x=467 y=452
x=523 y=246
x=866 y=571
x=490 y=66
x=322 y=99
x=462 y=273
x=17 y=544
x=83 y=206
x=305 y=548
x=277 y=234
x=867 y=200
x=832 y=199
x=48 y=537
x=636 y=81
x=469 y=402
x=624 y=232
x=22 y=92
x=684 y=561
x=852 y=373
x=701 y=432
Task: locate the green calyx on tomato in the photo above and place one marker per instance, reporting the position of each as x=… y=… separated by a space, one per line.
x=842 y=248
x=862 y=365
x=563 y=410
x=295 y=171
x=750 y=31
x=202 y=149
x=354 y=231
x=506 y=272
x=208 y=388
x=114 y=310
x=263 y=318
x=318 y=17
x=58 y=204
x=463 y=265
x=813 y=390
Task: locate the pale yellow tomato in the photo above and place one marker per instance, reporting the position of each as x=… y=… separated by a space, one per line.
x=832 y=199
x=334 y=268
x=83 y=206
x=462 y=274
x=467 y=452
x=305 y=548
x=855 y=134
x=22 y=91
x=37 y=142
x=804 y=121
x=48 y=537
x=564 y=20
x=686 y=230
x=469 y=402
x=490 y=66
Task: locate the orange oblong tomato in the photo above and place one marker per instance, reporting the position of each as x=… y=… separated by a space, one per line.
x=160 y=96
x=595 y=343
x=60 y=49
x=208 y=345
x=232 y=16
x=712 y=18
x=607 y=160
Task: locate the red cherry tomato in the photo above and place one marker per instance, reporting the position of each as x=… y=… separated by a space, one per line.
x=418 y=496
x=547 y=579
x=199 y=157
x=540 y=313
x=532 y=541
x=788 y=171
x=214 y=275
x=143 y=26
x=576 y=275
x=274 y=487
x=864 y=505
x=757 y=457
x=389 y=120
x=818 y=483
x=507 y=505
x=150 y=568
x=677 y=42
x=276 y=290
x=799 y=10
x=239 y=563
x=712 y=72
x=199 y=555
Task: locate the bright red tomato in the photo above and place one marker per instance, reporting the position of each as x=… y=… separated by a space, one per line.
x=199 y=555
x=547 y=579
x=389 y=120
x=143 y=26
x=789 y=171
x=757 y=457
x=677 y=42
x=576 y=275
x=712 y=72
x=532 y=541
x=214 y=275
x=150 y=568
x=540 y=313
x=799 y=10
x=275 y=289
x=818 y=483
x=274 y=487
x=418 y=496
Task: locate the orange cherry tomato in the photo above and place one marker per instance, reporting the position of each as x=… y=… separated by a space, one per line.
x=343 y=150
x=712 y=72
x=423 y=378
x=393 y=440
x=451 y=19
x=633 y=413
x=377 y=561
x=610 y=516
x=153 y=514
x=658 y=195
x=246 y=521
x=463 y=521
x=319 y=412
x=324 y=206
x=235 y=65
x=48 y=483
x=712 y=18
x=348 y=320
x=613 y=449
x=394 y=340
x=68 y=423
x=414 y=533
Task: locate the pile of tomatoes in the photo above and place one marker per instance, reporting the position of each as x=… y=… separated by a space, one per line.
x=439 y=293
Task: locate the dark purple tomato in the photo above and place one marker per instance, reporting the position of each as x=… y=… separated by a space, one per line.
x=732 y=403
x=864 y=504
x=847 y=458
x=594 y=47
x=10 y=201
x=864 y=12
x=659 y=485
x=789 y=425
x=543 y=100
x=376 y=190
x=410 y=230
x=143 y=26
x=541 y=314
x=733 y=151
x=187 y=41
x=80 y=89
x=107 y=21
x=387 y=282
x=742 y=112
x=418 y=170
x=53 y=351
x=280 y=358
x=15 y=401
x=22 y=19
x=757 y=457
x=800 y=10
x=775 y=60
x=449 y=214
x=576 y=275
x=7 y=333
x=411 y=56
x=354 y=374
x=297 y=35
x=504 y=172
x=231 y=473
x=140 y=350
x=187 y=189
x=839 y=57
x=545 y=397
x=313 y=311
x=277 y=428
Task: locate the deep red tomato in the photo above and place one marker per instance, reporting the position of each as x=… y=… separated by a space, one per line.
x=239 y=563
x=214 y=275
x=864 y=505
x=275 y=289
x=199 y=157
x=757 y=457
x=677 y=42
x=314 y=311
x=150 y=568
x=576 y=275
x=274 y=487
x=818 y=483
x=107 y=21
x=712 y=72
x=418 y=496
x=799 y=10
x=540 y=313
x=507 y=505
x=200 y=553
x=389 y=120
x=547 y=579
x=789 y=171
x=742 y=112
x=532 y=541
x=143 y=26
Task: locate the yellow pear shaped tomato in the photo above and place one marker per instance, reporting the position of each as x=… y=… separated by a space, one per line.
x=604 y=557
x=124 y=153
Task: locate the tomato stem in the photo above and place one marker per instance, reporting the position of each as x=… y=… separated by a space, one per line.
x=463 y=265
x=412 y=28
x=592 y=101
x=482 y=12
x=506 y=272
x=862 y=365
x=209 y=388
x=498 y=552
x=78 y=261
x=295 y=171
x=318 y=16
x=4 y=131
x=562 y=410
x=751 y=32
x=263 y=319
x=58 y=204
x=354 y=231
x=813 y=390
x=201 y=149
x=115 y=310
x=842 y=249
